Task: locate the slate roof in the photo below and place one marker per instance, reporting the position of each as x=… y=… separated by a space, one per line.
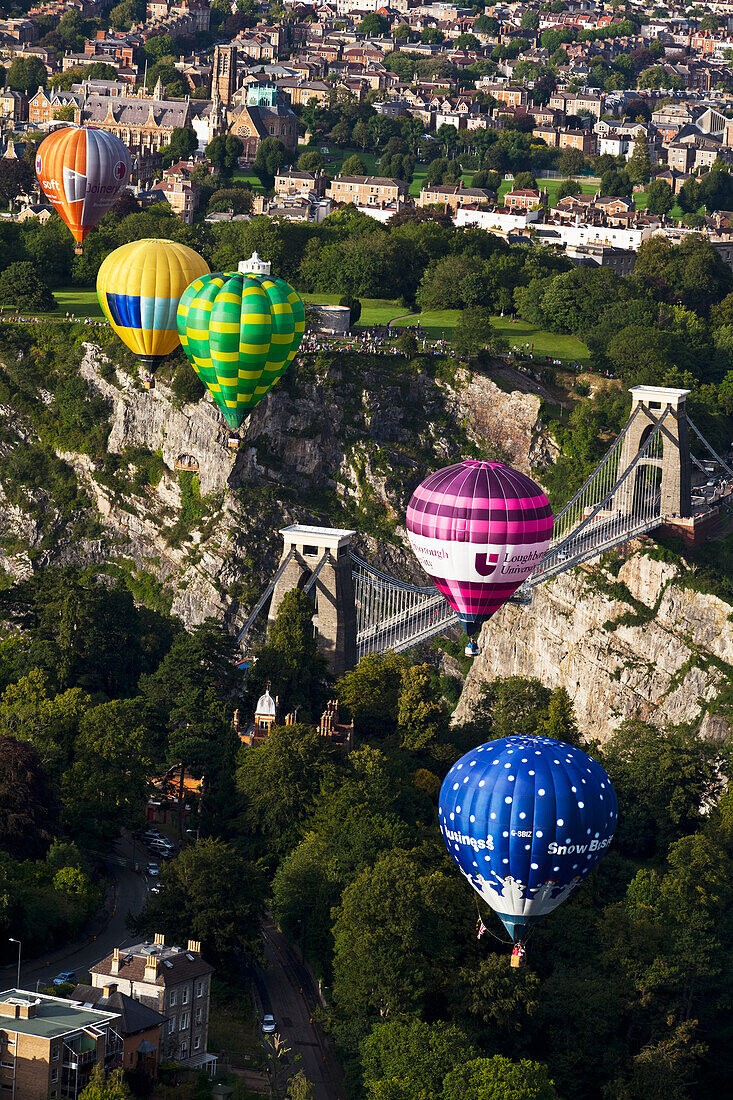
x=183 y=965
x=130 y=111
x=135 y=1015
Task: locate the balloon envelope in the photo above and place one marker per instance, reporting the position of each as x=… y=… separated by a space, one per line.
x=139 y=287
x=81 y=171
x=526 y=819
x=478 y=529
x=240 y=333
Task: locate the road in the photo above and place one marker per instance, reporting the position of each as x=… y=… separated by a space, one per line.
x=130 y=897
x=285 y=989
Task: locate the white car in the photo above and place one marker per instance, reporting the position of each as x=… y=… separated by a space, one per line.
x=153 y=869
x=268 y=1025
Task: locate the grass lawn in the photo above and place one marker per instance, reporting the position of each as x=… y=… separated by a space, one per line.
x=248 y=177
x=437 y=323
x=80 y=301
x=545 y=343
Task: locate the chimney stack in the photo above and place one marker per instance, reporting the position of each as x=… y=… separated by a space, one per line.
x=194 y=946
x=151 y=969
x=159 y=938
x=115 y=968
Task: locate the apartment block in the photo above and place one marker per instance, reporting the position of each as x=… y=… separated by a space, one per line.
x=49 y=1046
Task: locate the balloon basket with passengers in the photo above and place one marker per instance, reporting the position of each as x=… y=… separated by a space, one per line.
x=526 y=818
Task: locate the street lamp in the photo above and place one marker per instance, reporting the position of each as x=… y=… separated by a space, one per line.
x=20 y=946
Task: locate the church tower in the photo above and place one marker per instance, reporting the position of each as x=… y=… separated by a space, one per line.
x=224 y=75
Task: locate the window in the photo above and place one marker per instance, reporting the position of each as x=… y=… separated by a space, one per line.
x=54 y=1076
x=199 y=1014
x=196 y=1043
x=184 y=1050
x=200 y=985
x=172 y=998
x=171 y=1025
x=184 y=996
x=55 y=1053
x=184 y=1022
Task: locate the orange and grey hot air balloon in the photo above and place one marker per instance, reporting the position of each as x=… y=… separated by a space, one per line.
x=81 y=171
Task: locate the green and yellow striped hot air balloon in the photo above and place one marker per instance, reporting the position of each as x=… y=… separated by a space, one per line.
x=240 y=333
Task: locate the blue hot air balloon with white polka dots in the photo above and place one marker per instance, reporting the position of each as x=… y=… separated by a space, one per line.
x=526 y=819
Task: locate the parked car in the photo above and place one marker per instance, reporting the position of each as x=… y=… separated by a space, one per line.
x=65 y=977
x=268 y=1025
x=153 y=868
x=161 y=844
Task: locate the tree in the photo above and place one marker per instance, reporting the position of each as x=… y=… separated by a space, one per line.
x=474 y=331
x=660 y=199
x=560 y=721
x=467 y=42
x=525 y=181
x=499 y=1079
x=128 y=12
x=568 y=187
x=224 y=152
x=407 y=343
x=394 y=936
x=16 y=177
x=530 y=21
x=354 y=308
x=160 y=45
x=371 y=692
x=689 y=196
x=105 y=1086
x=417 y=1054
x=182 y=145
x=422 y=716
x=300 y=1088
x=107 y=785
x=271 y=156
x=26 y=74
x=571 y=162
x=716 y=189
x=639 y=167
x=164 y=71
x=210 y=894
x=237 y=199
x=493 y=998
x=373 y=25
x=679 y=774
x=310 y=161
x=353 y=166
x=22 y=287
x=280 y=783
x=28 y=809
x=574 y=300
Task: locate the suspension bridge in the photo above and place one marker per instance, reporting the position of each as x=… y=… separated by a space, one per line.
x=643 y=482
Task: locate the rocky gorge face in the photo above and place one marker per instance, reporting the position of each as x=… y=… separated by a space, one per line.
x=341 y=442
x=639 y=645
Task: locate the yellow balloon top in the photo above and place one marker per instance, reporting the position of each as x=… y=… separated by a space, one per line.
x=139 y=286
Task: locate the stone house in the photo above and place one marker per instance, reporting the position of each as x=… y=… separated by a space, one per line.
x=174 y=982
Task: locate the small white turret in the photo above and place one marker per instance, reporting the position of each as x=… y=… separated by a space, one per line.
x=254 y=266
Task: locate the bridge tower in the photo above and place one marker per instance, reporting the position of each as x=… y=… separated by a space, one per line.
x=335 y=617
x=672 y=458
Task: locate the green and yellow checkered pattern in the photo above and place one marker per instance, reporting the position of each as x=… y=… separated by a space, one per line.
x=240 y=332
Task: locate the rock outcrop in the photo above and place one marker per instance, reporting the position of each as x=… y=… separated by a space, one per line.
x=637 y=645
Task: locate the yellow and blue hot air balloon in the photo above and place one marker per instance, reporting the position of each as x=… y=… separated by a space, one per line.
x=139 y=286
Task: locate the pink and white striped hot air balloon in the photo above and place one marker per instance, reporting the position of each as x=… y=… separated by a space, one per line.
x=478 y=529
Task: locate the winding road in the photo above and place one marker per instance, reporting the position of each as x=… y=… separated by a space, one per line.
x=130 y=892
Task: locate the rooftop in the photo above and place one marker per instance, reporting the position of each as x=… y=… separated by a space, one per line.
x=53 y=1016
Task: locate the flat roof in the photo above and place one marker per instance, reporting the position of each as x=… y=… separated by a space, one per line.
x=657 y=393
x=299 y=533
x=54 y=1017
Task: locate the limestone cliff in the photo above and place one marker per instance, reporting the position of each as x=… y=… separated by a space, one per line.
x=340 y=441
x=637 y=645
